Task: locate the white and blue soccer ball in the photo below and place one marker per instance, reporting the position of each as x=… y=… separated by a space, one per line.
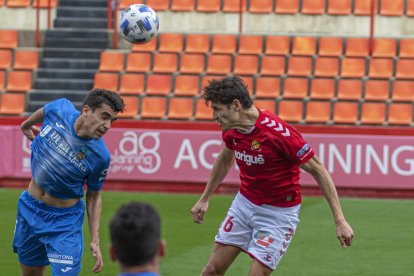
x=139 y=24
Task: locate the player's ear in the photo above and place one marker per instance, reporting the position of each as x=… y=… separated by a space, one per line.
x=112 y=253
x=162 y=248
x=86 y=109
x=237 y=105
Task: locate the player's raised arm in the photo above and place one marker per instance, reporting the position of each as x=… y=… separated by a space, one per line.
x=220 y=169
x=344 y=231
x=29 y=128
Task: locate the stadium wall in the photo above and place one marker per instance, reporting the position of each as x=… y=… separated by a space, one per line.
x=178 y=156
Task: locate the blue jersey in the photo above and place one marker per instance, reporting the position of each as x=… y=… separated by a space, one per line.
x=61 y=161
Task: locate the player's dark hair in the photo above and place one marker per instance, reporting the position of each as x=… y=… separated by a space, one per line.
x=226 y=90
x=135 y=232
x=99 y=96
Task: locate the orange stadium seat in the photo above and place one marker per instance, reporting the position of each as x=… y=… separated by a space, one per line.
x=384 y=47
x=318 y=112
x=290 y=111
x=111 y=61
x=400 y=114
x=406 y=47
x=410 y=8
x=234 y=6
x=392 y=8
x=180 y=108
x=197 y=43
x=2 y=2
x=326 y=67
x=207 y=78
x=248 y=81
x=330 y=46
x=353 y=67
x=272 y=66
x=18 y=3
x=380 y=68
x=12 y=104
x=203 y=112
x=299 y=66
x=8 y=39
x=313 y=7
x=373 y=113
x=224 y=44
x=192 y=63
x=342 y=7
x=131 y=84
x=404 y=69
x=159 y=5
x=183 y=5
x=186 y=85
x=146 y=47
x=219 y=64
x=287 y=6
x=43 y=4
x=5 y=58
x=138 y=62
x=165 y=63
x=106 y=80
x=25 y=60
x=322 y=89
x=267 y=87
x=277 y=45
x=124 y=3
x=246 y=64
x=171 y=42
x=153 y=107
x=261 y=6
x=250 y=44
x=19 y=81
x=131 y=107
x=266 y=104
x=349 y=89
x=303 y=46
x=295 y=88
x=158 y=84
x=363 y=7
x=377 y=90
x=345 y=113
x=208 y=5
x=357 y=47
x=2 y=80
x=403 y=91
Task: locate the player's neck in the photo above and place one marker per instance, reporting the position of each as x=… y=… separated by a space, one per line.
x=247 y=120
x=79 y=127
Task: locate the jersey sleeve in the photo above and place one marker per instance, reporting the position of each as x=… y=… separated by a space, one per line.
x=54 y=106
x=97 y=177
x=294 y=147
x=227 y=140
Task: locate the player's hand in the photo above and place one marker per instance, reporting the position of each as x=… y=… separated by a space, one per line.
x=344 y=233
x=30 y=132
x=199 y=210
x=96 y=253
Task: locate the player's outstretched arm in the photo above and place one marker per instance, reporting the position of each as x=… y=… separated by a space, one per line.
x=220 y=169
x=29 y=128
x=344 y=231
x=93 y=209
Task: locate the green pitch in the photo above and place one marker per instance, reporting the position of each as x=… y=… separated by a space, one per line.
x=383 y=244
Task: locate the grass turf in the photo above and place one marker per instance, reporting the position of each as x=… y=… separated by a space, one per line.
x=383 y=242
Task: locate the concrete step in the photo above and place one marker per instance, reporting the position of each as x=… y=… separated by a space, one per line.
x=94 y=12
x=32 y=106
x=69 y=63
x=90 y=43
x=83 y=3
x=80 y=22
x=48 y=95
x=61 y=84
x=71 y=53
x=65 y=73
x=76 y=33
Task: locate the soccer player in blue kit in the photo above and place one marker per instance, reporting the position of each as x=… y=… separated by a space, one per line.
x=67 y=153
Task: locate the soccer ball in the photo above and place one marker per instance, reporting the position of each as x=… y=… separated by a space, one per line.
x=139 y=24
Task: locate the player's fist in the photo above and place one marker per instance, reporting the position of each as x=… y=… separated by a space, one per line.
x=198 y=211
x=30 y=132
x=96 y=253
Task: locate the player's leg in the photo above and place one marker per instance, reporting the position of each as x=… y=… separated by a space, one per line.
x=258 y=269
x=32 y=270
x=220 y=259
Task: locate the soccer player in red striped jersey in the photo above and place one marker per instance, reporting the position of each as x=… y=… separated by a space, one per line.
x=269 y=153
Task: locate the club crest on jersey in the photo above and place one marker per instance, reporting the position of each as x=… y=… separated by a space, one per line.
x=82 y=153
x=255 y=144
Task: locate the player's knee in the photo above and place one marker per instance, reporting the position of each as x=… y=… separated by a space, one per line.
x=212 y=270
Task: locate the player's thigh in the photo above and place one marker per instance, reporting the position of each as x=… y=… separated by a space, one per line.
x=32 y=270
x=258 y=269
x=220 y=259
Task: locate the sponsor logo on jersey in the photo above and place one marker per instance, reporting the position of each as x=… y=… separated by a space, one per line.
x=66 y=269
x=59 y=125
x=303 y=152
x=255 y=145
x=60 y=259
x=248 y=158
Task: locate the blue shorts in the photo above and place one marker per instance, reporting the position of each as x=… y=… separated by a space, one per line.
x=49 y=235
